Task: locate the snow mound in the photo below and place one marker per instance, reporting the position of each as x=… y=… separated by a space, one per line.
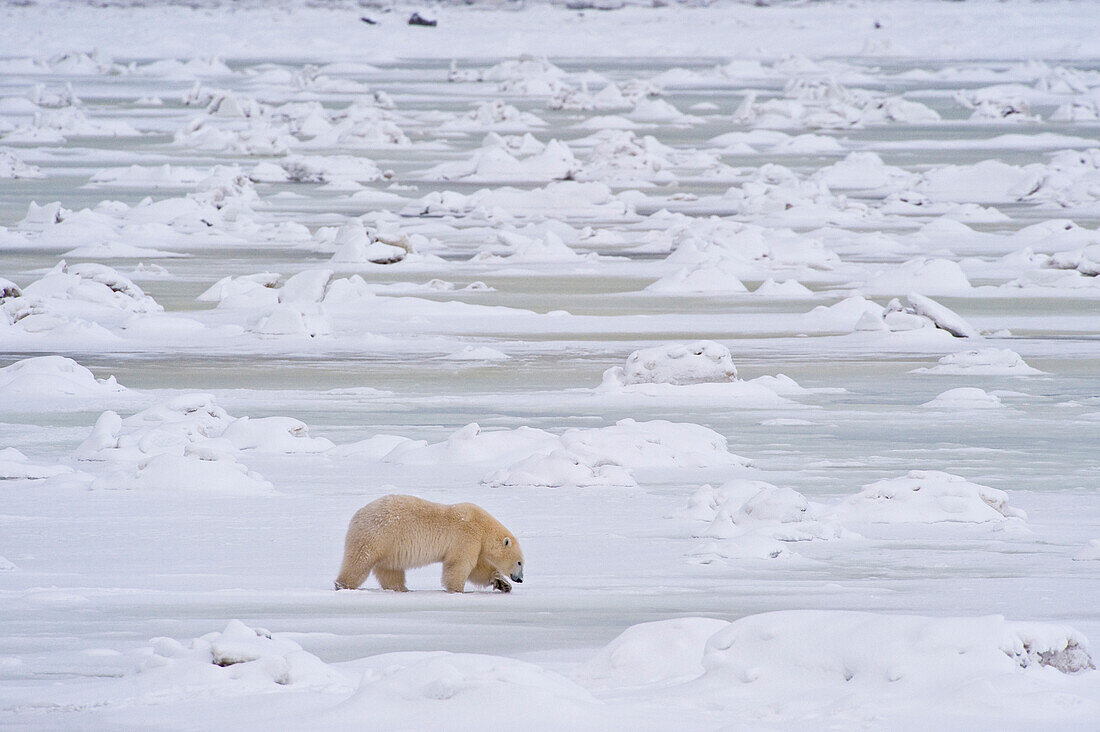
x=275 y=435
x=354 y=244
x=942 y=316
x=566 y=198
x=611 y=97
x=745 y=250
x=799 y=662
x=186 y=473
x=579 y=457
x=751 y=519
x=1085 y=260
x=981 y=362
x=850 y=314
x=921 y=312
x=511 y=159
x=402 y=693
x=927 y=496
x=190 y=443
x=6 y=566
x=13 y=167
x=689 y=363
x=163 y=176
x=298 y=310
x=14 y=465
x=825 y=104
x=53 y=376
x=471 y=445
x=243 y=291
x=543 y=247
x=717 y=278
x=527 y=76
x=167 y=427
x=660 y=652
x=989 y=181
x=238 y=659
x=656 y=443
x=864 y=171
x=783 y=290
x=964 y=398
x=935 y=276
x=374 y=448
x=493 y=115
x=77 y=292
x=338 y=171
x=561 y=468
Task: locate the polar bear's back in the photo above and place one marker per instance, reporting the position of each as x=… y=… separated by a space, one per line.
x=405 y=531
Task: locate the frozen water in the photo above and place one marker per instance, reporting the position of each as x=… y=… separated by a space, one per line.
x=723 y=310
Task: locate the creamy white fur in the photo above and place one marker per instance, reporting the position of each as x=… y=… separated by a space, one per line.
x=396 y=533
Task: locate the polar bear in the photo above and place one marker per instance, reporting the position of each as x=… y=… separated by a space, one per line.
x=396 y=533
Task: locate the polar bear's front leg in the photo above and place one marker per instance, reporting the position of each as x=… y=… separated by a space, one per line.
x=486 y=575
x=456 y=572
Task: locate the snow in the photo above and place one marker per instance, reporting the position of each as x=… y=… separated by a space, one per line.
x=887 y=667
x=982 y=362
x=16 y=465
x=51 y=377
x=691 y=363
x=769 y=329
x=964 y=397
x=650 y=654
x=928 y=496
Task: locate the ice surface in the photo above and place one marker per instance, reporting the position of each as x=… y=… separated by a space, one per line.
x=397 y=259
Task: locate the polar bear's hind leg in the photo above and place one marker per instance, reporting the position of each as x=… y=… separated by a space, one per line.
x=391 y=579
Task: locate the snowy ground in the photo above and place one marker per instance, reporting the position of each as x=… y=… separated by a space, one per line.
x=773 y=333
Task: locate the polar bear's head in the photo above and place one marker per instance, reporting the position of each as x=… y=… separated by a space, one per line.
x=503 y=552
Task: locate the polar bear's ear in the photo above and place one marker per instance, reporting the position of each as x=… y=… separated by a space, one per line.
x=507 y=541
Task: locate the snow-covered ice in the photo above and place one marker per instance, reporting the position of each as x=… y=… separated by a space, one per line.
x=771 y=329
